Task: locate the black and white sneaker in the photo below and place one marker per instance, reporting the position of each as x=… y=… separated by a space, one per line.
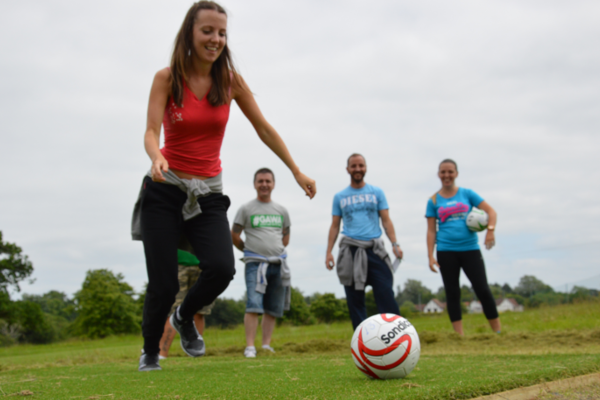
x=149 y=362
x=191 y=341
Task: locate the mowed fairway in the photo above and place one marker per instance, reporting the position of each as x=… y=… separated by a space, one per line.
x=314 y=362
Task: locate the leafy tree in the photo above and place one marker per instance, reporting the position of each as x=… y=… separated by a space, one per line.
x=545 y=298
x=54 y=303
x=310 y=299
x=507 y=289
x=441 y=294
x=226 y=313
x=14 y=266
x=139 y=302
x=33 y=324
x=579 y=293
x=299 y=312
x=496 y=290
x=105 y=306
x=415 y=292
x=530 y=285
x=328 y=309
x=518 y=299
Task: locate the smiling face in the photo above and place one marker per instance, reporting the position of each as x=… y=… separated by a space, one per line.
x=264 y=185
x=209 y=35
x=357 y=168
x=447 y=174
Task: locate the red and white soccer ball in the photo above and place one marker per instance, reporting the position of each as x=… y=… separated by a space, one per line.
x=385 y=346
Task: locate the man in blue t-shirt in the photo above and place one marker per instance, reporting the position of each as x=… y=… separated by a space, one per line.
x=362 y=259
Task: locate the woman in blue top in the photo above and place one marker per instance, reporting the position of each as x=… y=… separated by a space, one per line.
x=457 y=246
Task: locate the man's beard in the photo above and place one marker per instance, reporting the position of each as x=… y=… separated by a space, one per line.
x=360 y=179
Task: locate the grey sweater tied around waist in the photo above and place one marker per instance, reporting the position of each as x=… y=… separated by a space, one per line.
x=354 y=269
x=194 y=188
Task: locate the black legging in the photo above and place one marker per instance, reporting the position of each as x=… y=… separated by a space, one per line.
x=210 y=237
x=472 y=263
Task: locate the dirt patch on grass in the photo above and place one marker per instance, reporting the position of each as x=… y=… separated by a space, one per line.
x=571 y=341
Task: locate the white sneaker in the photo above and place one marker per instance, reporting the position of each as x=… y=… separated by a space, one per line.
x=160 y=357
x=267 y=347
x=250 y=352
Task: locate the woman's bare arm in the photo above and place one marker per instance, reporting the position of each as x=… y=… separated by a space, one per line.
x=245 y=100
x=159 y=94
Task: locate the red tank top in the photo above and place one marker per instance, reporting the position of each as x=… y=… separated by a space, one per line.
x=194 y=135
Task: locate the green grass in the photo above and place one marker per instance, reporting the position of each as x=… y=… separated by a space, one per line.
x=332 y=376
x=315 y=362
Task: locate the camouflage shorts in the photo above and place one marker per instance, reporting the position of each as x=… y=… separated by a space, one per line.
x=187 y=278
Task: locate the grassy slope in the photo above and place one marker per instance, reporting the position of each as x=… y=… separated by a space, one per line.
x=314 y=362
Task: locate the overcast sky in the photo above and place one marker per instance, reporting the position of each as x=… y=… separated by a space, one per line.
x=509 y=89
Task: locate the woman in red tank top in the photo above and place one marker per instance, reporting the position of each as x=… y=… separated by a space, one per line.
x=182 y=195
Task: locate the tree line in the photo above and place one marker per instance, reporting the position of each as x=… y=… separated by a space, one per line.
x=107 y=305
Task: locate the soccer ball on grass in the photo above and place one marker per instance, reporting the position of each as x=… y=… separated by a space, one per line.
x=385 y=346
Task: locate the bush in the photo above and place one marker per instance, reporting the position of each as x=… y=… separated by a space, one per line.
x=54 y=303
x=105 y=306
x=328 y=309
x=33 y=323
x=299 y=312
x=548 y=299
x=226 y=313
x=408 y=309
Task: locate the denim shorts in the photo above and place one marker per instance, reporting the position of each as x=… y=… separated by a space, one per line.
x=270 y=302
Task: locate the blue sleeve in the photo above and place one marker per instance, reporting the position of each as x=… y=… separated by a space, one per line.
x=474 y=198
x=382 y=203
x=431 y=212
x=337 y=210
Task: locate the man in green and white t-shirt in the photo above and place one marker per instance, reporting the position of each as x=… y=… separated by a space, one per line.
x=267 y=229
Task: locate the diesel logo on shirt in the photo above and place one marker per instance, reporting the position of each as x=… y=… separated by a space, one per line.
x=266 y=221
x=359 y=198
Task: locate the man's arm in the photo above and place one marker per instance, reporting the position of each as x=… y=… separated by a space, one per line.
x=334 y=230
x=236 y=232
x=388 y=226
x=286 y=236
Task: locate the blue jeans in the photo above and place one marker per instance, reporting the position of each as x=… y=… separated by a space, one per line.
x=381 y=279
x=272 y=301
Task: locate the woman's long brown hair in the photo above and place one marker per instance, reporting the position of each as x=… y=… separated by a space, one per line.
x=222 y=71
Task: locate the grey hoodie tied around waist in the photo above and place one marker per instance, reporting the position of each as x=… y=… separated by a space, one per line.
x=194 y=188
x=351 y=269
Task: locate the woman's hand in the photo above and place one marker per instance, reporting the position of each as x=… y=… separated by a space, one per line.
x=490 y=240
x=309 y=185
x=432 y=264
x=159 y=166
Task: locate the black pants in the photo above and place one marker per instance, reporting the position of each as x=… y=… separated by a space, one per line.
x=162 y=228
x=380 y=278
x=472 y=263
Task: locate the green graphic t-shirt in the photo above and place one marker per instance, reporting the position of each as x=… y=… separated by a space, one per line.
x=263 y=225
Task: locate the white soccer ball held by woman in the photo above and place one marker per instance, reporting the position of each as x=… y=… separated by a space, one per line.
x=385 y=346
x=477 y=220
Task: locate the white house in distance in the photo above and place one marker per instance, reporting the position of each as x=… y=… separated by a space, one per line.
x=434 y=306
x=505 y=304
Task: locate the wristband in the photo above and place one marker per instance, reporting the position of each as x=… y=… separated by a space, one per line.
x=395 y=244
x=491 y=227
